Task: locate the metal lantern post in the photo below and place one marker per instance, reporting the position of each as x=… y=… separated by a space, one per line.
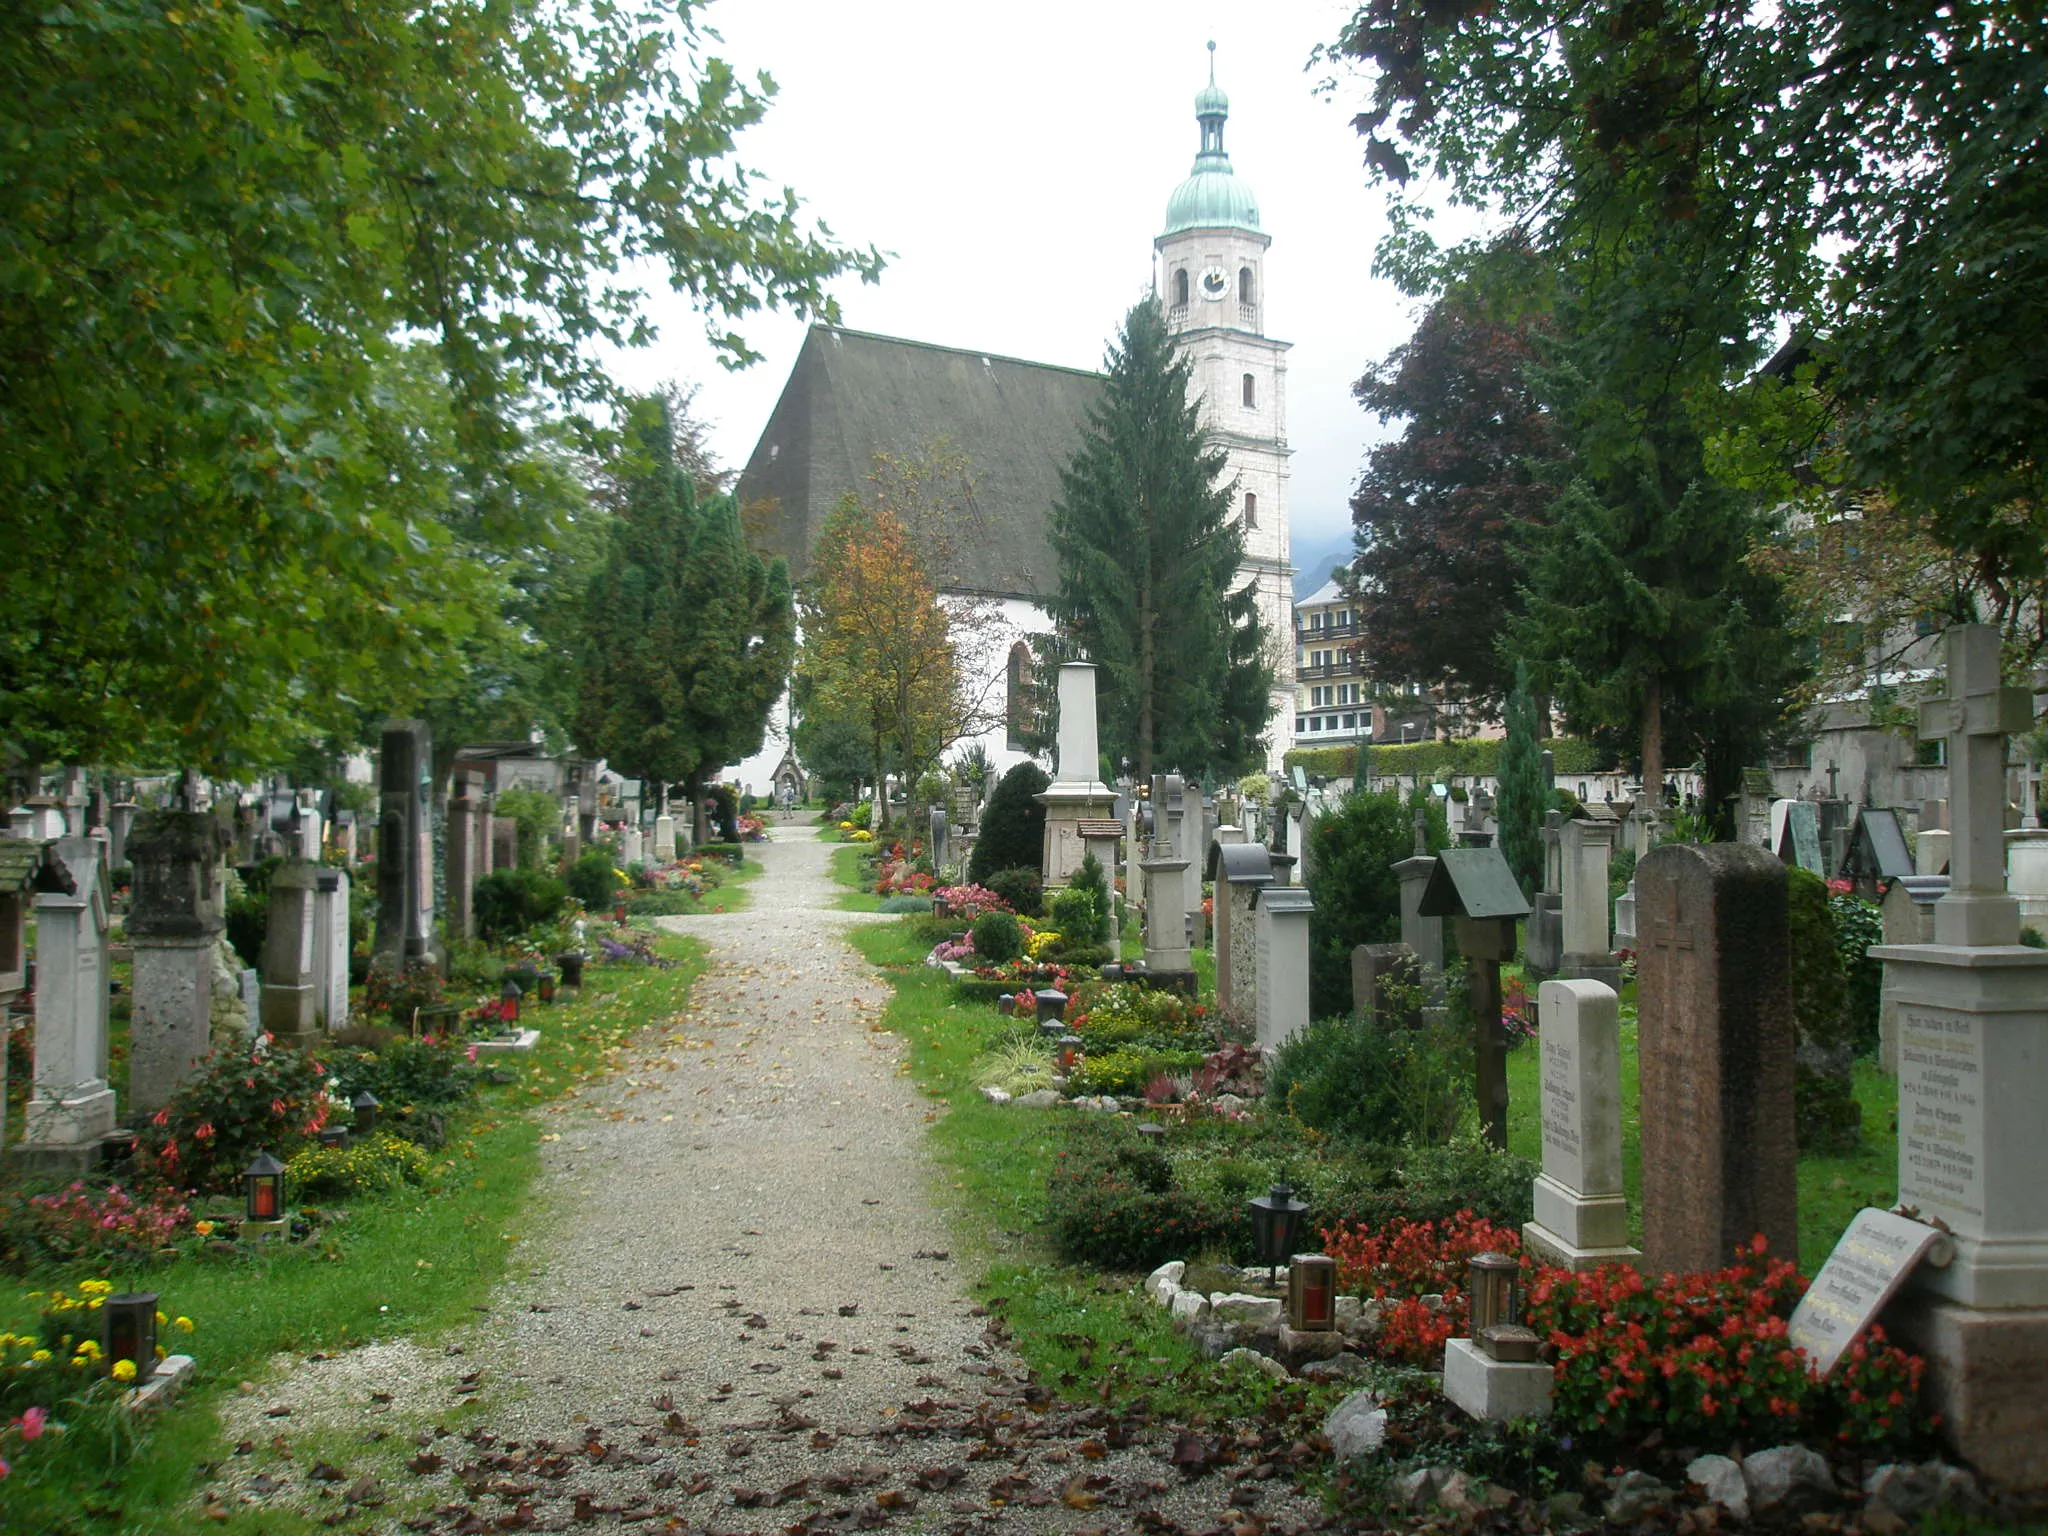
x=1276 y=1225
x=509 y=994
x=365 y=1104
x=263 y=1184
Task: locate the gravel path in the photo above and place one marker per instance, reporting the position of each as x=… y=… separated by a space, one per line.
x=739 y=1311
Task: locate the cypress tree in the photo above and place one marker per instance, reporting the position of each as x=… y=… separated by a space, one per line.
x=687 y=632
x=1148 y=571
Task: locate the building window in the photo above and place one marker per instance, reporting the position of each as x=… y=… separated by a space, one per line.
x=1244 y=285
x=1251 y=392
x=1300 y=724
x=1180 y=287
x=1017 y=715
x=1251 y=507
x=1351 y=722
x=1315 y=621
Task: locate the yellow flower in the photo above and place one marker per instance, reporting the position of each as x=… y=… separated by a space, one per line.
x=89 y=1348
x=203 y=1228
x=183 y=1324
x=96 y=1287
x=124 y=1370
x=40 y=1357
x=161 y=1320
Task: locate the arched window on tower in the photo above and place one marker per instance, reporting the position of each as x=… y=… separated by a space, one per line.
x=1017 y=698
x=1251 y=509
x=1245 y=293
x=1180 y=287
x=1251 y=392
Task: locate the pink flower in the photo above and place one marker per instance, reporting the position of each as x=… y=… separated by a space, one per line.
x=470 y=1054
x=32 y=1421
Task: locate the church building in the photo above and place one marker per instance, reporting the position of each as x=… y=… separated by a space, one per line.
x=853 y=395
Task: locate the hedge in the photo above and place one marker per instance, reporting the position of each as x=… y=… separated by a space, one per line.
x=1472 y=757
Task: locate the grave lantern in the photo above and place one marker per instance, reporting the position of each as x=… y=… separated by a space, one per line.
x=366 y=1104
x=263 y=1183
x=1052 y=1004
x=1006 y=1004
x=1276 y=1223
x=1052 y=1029
x=1067 y=1051
x=508 y=996
x=1491 y=1286
x=334 y=1136
x=1153 y=1132
x=547 y=986
x=1311 y=1293
x=128 y=1331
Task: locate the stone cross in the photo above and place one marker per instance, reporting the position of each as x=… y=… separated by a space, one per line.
x=1974 y=717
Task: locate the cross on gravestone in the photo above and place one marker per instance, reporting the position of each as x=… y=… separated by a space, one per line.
x=1974 y=717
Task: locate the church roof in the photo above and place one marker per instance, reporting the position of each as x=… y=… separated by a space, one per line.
x=853 y=394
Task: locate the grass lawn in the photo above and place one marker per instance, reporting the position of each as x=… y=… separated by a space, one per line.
x=1831 y=1189
x=857 y=897
x=416 y=1264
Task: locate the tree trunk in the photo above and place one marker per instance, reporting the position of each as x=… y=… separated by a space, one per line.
x=881 y=818
x=697 y=823
x=1653 y=744
x=1145 y=668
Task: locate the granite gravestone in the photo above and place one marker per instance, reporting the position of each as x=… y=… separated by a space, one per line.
x=1543 y=941
x=1386 y=985
x=1714 y=1010
x=1282 y=913
x=174 y=920
x=290 y=1005
x=1581 y=1217
x=405 y=847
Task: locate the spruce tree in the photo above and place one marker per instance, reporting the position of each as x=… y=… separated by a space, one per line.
x=1148 y=571
x=687 y=632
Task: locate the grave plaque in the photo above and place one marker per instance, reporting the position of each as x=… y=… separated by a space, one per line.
x=1868 y=1265
x=1941 y=1113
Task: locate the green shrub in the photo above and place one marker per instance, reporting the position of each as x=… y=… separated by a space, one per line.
x=1073 y=914
x=665 y=903
x=247 y=910
x=510 y=901
x=594 y=878
x=1091 y=877
x=997 y=938
x=722 y=802
x=406 y=1071
x=1349 y=1077
x=375 y=1165
x=905 y=902
x=1858 y=925
x=1620 y=871
x=1353 y=850
x=733 y=853
x=399 y=994
x=1828 y=1118
x=538 y=815
x=1019 y=888
x=1125 y=1072
x=2033 y=938
x=1012 y=826
x=1110 y=1203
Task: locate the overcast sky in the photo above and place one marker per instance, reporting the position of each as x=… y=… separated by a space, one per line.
x=1017 y=160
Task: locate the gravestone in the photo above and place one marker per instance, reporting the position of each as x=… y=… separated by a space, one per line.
x=1714 y=1011
x=1867 y=1267
x=1581 y=1213
x=1194 y=826
x=2026 y=878
x=1424 y=935
x=1237 y=872
x=504 y=843
x=664 y=838
x=1103 y=838
x=1754 y=807
x=1282 y=913
x=174 y=922
x=1166 y=920
x=70 y=1106
x=1799 y=837
x=330 y=949
x=1877 y=851
x=1625 y=934
x=1386 y=985
x=1585 y=848
x=1075 y=794
x=312 y=826
x=632 y=847
x=1543 y=942
x=940 y=846
x=120 y=822
x=1973 y=1077
x=572 y=830
x=345 y=837
x=405 y=847
x=464 y=855
x=290 y=1008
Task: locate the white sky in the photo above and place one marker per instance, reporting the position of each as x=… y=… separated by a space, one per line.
x=1017 y=162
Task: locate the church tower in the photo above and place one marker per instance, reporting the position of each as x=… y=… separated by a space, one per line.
x=1209 y=272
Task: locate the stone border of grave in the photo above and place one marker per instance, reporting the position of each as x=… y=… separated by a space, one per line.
x=1227 y=1326
x=1108 y=1104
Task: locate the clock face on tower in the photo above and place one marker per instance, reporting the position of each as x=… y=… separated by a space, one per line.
x=1215 y=283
